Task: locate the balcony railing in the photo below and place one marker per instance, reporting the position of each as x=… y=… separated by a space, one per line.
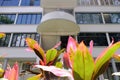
x=99 y=2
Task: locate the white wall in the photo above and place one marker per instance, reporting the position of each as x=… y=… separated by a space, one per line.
x=97 y=9
x=16 y=52
x=18 y=28
x=20 y=9
x=83 y=28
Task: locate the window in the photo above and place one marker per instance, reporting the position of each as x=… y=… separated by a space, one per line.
x=112 y=18
x=7 y=18
x=23 y=2
x=29 y=18
x=99 y=2
x=30 y=3
x=88 y=18
x=115 y=36
x=5 y=41
x=9 y=2
x=70 y=11
x=110 y=2
x=18 y=39
x=98 y=38
x=86 y=2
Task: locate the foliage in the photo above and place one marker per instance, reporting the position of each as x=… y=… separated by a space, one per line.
x=47 y=58
x=50 y=57
x=2 y=35
x=83 y=65
x=79 y=58
x=5 y=20
x=117 y=57
x=10 y=73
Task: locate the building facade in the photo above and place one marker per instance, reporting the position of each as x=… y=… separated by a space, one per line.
x=98 y=20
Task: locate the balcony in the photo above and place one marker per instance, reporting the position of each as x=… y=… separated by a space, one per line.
x=98 y=2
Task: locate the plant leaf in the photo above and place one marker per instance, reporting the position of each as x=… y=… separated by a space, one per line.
x=59 y=64
x=51 y=55
x=56 y=71
x=117 y=57
x=37 y=77
x=2 y=35
x=72 y=44
x=66 y=60
x=83 y=63
x=36 y=47
x=57 y=45
x=91 y=46
x=105 y=56
x=1 y=72
x=12 y=74
x=78 y=66
x=102 y=70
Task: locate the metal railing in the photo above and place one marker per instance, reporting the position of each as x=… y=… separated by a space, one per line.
x=98 y=2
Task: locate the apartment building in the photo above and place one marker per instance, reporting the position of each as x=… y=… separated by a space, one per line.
x=97 y=20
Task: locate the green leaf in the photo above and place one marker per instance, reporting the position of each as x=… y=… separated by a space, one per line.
x=83 y=63
x=105 y=56
x=89 y=66
x=51 y=55
x=116 y=57
x=37 y=77
x=102 y=70
x=36 y=47
x=1 y=72
x=60 y=52
x=2 y=35
x=78 y=66
x=59 y=64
